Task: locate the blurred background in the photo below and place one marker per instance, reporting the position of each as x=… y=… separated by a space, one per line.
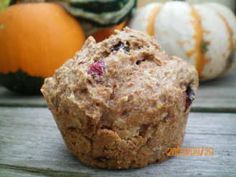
x=229 y=3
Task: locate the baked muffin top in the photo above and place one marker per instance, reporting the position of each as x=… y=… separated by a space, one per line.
x=125 y=77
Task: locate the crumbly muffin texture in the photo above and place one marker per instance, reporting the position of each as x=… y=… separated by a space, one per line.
x=123 y=102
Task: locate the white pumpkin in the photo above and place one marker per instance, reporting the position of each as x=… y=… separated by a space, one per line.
x=203 y=34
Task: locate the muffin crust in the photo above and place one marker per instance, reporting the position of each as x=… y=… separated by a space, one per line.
x=123 y=102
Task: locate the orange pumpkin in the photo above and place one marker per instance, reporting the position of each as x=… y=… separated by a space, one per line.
x=36 y=38
x=106 y=32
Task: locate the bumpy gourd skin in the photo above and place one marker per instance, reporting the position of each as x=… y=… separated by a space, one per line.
x=121 y=103
x=21 y=82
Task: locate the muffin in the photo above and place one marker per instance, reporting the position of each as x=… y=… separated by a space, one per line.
x=123 y=102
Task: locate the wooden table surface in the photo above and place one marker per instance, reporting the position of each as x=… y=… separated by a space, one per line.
x=31 y=145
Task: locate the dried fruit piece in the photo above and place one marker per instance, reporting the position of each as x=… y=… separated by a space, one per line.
x=138 y=62
x=119 y=46
x=190 y=96
x=97 y=68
